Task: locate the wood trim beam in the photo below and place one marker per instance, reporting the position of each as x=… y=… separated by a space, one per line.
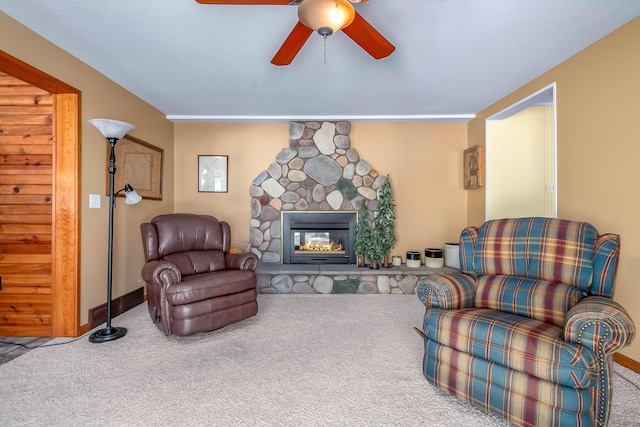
x=627 y=362
x=33 y=76
x=66 y=231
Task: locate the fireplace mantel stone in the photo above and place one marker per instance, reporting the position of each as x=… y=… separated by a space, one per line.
x=318 y=171
x=340 y=278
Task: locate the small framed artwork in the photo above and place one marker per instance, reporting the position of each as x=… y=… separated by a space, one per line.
x=138 y=164
x=473 y=167
x=212 y=174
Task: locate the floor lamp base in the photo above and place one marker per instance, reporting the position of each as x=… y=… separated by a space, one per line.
x=107 y=334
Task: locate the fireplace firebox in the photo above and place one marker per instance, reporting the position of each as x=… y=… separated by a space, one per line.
x=318 y=237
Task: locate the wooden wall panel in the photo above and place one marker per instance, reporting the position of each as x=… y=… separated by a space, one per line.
x=26 y=226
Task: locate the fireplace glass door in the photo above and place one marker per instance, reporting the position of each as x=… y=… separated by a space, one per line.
x=318 y=238
x=319 y=242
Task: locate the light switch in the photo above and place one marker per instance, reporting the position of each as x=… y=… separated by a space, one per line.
x=550 y=188
x=94 y=201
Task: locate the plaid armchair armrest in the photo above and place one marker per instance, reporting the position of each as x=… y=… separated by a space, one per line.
x=161 y=272
x=599 y=324
x=447 y=292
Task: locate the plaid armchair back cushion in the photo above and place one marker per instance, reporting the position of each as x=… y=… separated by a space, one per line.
x=533 y=267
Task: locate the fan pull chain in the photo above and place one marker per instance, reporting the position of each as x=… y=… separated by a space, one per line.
x=325 y=49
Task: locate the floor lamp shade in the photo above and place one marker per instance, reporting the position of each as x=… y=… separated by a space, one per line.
x=112 y=130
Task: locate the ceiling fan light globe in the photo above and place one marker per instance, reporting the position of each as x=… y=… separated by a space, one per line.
x=334 y=14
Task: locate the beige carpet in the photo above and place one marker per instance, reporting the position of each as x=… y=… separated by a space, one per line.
x=312 y=360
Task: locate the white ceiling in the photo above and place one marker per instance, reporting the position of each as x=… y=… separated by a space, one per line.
x=192 y=61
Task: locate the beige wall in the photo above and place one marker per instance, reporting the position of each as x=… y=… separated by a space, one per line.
x=100 y=98
x=423 y=160
x=598 y=106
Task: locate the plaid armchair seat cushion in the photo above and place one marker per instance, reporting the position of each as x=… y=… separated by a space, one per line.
x=520 y=343
x=528 y=329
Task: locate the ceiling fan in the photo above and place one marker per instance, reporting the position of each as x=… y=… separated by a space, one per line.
x=325 y=17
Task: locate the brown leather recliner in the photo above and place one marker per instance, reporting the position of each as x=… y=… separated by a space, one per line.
x=193 y=283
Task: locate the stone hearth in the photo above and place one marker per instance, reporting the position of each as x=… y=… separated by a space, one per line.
x=341 y=279
x=319 y=171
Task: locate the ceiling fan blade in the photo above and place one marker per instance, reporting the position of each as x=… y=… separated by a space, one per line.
x=292 y=45
x=363 y=33
x=247 y=2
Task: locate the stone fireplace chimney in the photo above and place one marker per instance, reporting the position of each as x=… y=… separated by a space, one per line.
x=318 y=172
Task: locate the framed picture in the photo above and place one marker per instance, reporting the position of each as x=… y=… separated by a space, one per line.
x=138 y=164
x=212 y=174
x=473 y=167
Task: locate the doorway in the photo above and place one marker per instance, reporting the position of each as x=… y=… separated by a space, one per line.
x=39 y=204
x=521 y=159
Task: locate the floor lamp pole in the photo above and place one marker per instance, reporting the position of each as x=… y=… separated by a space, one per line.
x=110 y=333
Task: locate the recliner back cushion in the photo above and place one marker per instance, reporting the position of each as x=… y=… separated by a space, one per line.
x=501 y=248
x=194 y=243
x=562 y=251
x=540 y=248
x=187 y=232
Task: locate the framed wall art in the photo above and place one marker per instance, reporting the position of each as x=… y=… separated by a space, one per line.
x=138 y=164
x=212 y=174
x=473 y=167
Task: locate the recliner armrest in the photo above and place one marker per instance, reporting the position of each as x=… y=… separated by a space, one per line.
x=600 y=324
x=447 y=292
x=163 y=273
x=241 y=261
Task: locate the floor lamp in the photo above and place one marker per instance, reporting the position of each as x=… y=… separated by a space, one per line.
x=113 y=130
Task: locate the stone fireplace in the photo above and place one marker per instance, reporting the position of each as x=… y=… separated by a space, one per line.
x=318 y=172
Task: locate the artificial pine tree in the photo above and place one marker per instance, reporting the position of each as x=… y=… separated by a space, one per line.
x=385 y=230
x=363 y=235
x=376 y=248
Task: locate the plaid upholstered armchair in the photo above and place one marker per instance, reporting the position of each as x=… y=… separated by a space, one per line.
x=528 y=329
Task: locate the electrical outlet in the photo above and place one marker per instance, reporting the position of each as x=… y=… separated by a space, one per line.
x=550 y=188
x=94 y=201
